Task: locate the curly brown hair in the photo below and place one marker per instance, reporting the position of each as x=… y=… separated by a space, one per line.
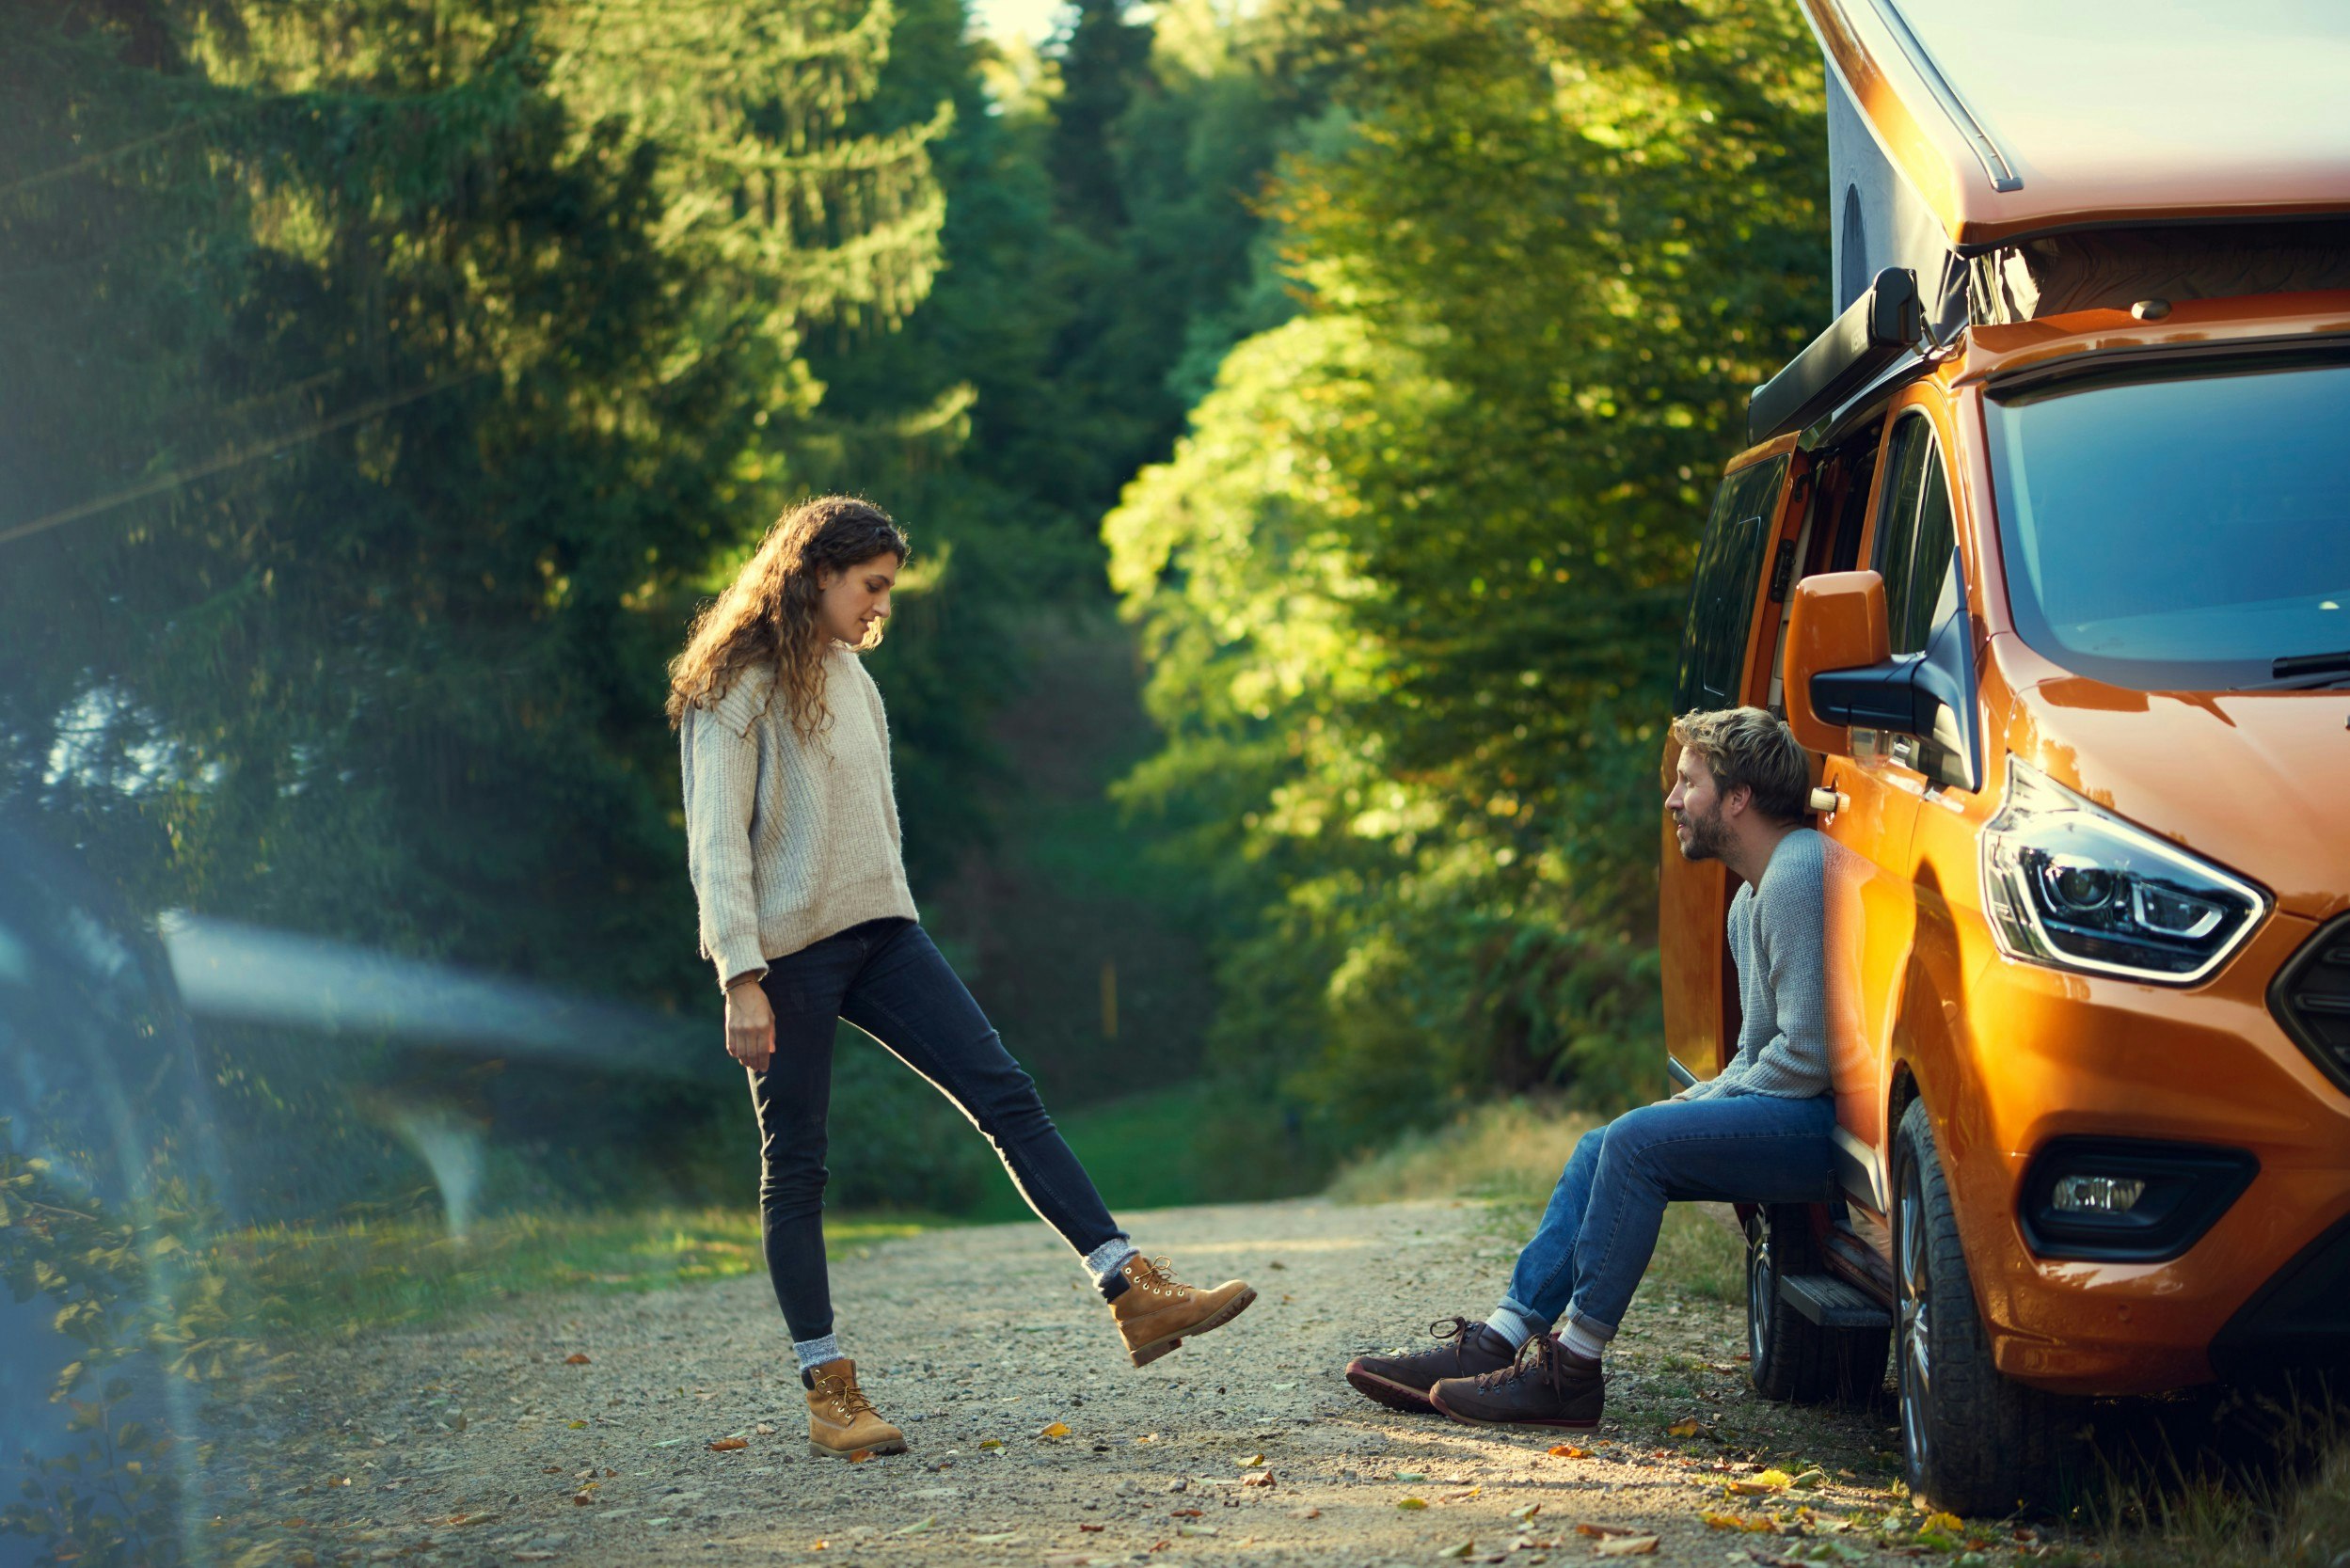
x=767 y=615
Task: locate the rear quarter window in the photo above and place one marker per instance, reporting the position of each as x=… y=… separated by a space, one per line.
x=1722 y=596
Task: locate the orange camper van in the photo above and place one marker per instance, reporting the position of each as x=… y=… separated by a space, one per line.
x=2043 y=548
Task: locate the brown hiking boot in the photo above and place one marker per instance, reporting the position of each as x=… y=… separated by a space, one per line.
x=841 y=1420
x=1548 y=1386
x=1155 y=1309
x=1464 y=1348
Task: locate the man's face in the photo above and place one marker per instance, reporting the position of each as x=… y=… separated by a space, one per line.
x=1695 y=802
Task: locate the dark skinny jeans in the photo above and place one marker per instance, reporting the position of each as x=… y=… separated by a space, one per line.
x=888 y=978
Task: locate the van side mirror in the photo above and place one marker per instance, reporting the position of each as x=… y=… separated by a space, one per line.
x=1837 y=626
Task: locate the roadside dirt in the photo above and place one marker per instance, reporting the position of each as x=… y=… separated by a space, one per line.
x=495 y=1442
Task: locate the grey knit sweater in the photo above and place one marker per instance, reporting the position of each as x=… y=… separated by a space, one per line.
x=1778 y=941
x=789 y=840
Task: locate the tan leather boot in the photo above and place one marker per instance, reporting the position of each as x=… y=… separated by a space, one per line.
x=841 y=1420
x=1156 y=1310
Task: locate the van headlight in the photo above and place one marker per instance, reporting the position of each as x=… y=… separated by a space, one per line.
x=2068 y=884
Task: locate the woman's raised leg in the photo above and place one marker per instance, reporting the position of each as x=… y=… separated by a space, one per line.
x=908 y=998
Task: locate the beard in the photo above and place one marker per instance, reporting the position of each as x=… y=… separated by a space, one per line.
x=1705 y=836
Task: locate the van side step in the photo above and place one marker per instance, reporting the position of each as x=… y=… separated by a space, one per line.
x=1832 y=1303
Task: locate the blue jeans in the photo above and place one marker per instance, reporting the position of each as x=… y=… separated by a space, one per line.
x=1597 y=1236
x=889 y=979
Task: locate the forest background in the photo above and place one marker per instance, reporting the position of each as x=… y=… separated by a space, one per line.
x=1304 y=413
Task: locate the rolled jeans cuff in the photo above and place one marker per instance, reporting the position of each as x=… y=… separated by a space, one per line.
x=1524 y=1314
x=1590 y=1325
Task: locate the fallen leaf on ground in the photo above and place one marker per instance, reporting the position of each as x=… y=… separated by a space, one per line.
x=1526 y=1515
x=1627 y=1546
x=1184 y=1513
x=1196 y=1529
x=990 y=1442
x=1409 y=1475
x=1945 y=1523
x=918 y=1527
x=1305 y=1513
x=1000 y=1538
x=728 y=1445
x=1462 y=1550
x=1092 y=1529
x=1752 y=1486
x=1263 y=1477
x=1809 y=1480
x=577 y=1425
x=1461 y=1497
x=583 y=1498
x=1603 y=1532
x=577 y=1359
x=1774 y=1478
x=1412 y=1502
x=764 y=1430
x=1055 y=1433
x=1568 y=1451
x=859 y=1456
x=1249 y=1461
x=1758 y=1524
x=1686 y=1427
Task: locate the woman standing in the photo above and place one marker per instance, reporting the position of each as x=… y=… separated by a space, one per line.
x=793 y=844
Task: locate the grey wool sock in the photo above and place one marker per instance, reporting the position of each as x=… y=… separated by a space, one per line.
x=815 y=1353
x=1104 y=1261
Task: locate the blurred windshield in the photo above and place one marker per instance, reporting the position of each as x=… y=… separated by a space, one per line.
x=2179 y=530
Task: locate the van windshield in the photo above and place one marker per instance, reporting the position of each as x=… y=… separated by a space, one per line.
x=2180 y=530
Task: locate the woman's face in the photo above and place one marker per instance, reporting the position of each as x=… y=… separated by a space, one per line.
x=851 y=606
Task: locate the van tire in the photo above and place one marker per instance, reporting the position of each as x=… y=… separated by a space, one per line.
x=1790 y=1358
x=1973 y=1441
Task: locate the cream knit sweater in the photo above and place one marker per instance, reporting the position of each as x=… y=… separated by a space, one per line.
x=789 y=840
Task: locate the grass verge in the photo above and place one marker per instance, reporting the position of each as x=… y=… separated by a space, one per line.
x=365 y=1275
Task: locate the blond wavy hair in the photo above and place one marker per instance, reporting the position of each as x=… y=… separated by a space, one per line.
x=767 y=615
x=1750 y=747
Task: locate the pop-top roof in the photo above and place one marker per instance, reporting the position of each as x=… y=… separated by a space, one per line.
x=2014 y=118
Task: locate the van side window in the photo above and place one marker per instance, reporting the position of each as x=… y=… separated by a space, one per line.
x=1729 y=570
x=1914 y=533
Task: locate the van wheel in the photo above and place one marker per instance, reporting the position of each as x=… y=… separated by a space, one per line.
x=1789 y=1356
x=1973 y=1441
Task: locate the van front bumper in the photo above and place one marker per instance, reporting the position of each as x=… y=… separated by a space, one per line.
x=2257 y=1276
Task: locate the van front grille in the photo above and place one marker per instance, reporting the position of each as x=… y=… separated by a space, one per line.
x=2311 y=997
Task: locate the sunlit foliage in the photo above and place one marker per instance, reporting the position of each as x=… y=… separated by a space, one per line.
x=1411 y=584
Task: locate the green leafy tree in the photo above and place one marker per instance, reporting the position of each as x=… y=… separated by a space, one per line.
x=1411 y=585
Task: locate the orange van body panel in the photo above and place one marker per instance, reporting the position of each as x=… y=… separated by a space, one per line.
x=2010 y=1055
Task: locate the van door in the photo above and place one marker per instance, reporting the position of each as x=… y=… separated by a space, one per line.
x=1881 y=783
x=1694 y=899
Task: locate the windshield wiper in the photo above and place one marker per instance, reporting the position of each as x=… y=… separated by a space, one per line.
x=2310 y=664
x=2307 y=672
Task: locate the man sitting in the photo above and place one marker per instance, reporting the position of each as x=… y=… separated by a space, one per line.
x=1757 y=1132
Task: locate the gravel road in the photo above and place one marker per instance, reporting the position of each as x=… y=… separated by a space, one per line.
x=580 y=1430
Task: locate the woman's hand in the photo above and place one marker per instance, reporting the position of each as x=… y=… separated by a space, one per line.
x=750 y=1024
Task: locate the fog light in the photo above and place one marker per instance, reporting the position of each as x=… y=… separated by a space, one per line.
x=2096 y=1195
